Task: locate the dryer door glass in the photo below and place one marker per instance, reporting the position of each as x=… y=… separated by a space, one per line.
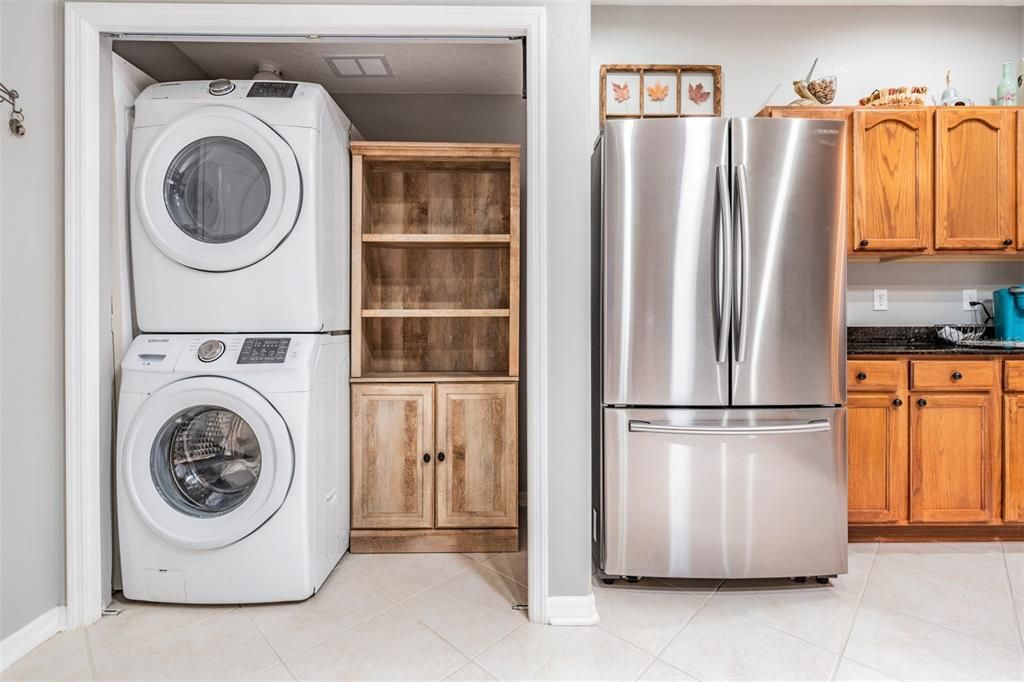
x=205 y=461
x=216 y=189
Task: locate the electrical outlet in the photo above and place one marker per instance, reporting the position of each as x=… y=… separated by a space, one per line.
x=881 y=298
x=970 y=295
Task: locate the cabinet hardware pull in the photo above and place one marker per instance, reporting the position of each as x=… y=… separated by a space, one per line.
x=957 y=376
x=922 y=402
x=1007 y=242
x=861 y=376
x=898 y=402
x=426 y=457
x=440 y=457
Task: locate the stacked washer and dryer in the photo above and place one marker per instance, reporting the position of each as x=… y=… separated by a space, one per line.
x=233 y=433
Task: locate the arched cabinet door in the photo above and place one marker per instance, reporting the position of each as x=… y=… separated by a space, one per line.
x=892 y=180
x=975 y=176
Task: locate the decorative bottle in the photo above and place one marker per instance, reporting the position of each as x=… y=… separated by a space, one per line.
x=1006 y=93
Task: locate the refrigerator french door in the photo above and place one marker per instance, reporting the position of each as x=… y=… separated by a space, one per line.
x=720 y=348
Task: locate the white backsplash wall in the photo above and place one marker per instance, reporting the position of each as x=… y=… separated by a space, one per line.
x=923 y=293
x=761 y=47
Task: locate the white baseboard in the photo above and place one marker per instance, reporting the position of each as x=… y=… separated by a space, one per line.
x=572 y=610
x=19 y=643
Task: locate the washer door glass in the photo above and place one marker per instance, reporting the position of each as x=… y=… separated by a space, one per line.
x=217 y=189
x=206 y=461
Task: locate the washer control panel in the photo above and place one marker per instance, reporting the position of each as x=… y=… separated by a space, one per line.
x=211 y=350
x=264 y=350
x=272 y=89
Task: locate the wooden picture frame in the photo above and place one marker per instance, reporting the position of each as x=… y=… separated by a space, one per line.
x=643 y=90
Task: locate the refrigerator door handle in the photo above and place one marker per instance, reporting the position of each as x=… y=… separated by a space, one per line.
x=741 y=269
x=816 y=426
x=723 y=263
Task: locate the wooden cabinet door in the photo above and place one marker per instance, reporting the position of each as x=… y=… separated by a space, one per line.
x=1019 y=168
x=477 y=475
x=877 y=458
x=892 y=180
x=392 y=430
x=953 y=458
x=975 y=170
x=1013 y=476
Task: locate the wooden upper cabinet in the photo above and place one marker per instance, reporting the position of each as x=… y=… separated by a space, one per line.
x=392 y=430
x=892 y=180
x=477 y=477
x=1019 y=168
x=975 y=170
x=954 y=477
x=878 y=458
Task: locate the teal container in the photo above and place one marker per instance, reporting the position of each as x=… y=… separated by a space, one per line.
x=1009 y=304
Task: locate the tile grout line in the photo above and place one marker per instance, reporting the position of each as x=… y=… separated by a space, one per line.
x=856 y=613
x=679 y=632
x=475 y=659
x=93 y=673
x=375 y=614
x=1013 y=600
x=266 y=641
x=462 y=664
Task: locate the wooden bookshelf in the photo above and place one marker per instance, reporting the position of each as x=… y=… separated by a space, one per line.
x=435 y=346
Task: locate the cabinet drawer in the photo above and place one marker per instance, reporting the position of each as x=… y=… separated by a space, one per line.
x=1014 y=375
x=953 y=375
x=874 y=375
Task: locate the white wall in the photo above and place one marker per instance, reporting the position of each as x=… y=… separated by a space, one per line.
x=32 y=410
x=924 y=293
x=867 y=48
x=31 y=318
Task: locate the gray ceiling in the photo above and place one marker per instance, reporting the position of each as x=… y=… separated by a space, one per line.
x=418 y=66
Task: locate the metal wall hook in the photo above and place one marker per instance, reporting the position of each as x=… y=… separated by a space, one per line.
x=17 y=121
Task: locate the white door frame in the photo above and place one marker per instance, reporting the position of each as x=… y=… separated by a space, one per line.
x=87 y=298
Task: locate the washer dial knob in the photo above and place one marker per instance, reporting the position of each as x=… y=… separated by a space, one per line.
x=210 y=350
x=221 y=86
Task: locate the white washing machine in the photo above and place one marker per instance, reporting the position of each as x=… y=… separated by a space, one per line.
x=232 y=466
x=240 y=208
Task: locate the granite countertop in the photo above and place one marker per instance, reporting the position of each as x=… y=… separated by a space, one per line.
x=912 y=341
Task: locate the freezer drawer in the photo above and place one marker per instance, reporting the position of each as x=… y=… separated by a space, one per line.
x=739 y=493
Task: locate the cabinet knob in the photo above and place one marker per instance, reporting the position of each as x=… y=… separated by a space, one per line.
x=426 y=457
x=957 y=376
x=864 y=243
x=861 y=376
x=440 y=457
x=922 y=402
x=898 y=402
x=1007 y=242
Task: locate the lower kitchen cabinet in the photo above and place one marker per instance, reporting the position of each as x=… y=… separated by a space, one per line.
x=434 y=467
x=877 y=425
x=954 y=473
x=1013 y=465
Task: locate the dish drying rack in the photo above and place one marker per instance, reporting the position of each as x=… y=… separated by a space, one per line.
x=970 y=335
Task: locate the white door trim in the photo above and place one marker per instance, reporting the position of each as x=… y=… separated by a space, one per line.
x=87 y=304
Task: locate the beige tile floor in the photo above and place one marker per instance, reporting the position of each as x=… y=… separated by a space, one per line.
x=934 y=611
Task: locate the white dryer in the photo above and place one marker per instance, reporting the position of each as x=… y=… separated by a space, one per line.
x=232 y=466
x=240 y=208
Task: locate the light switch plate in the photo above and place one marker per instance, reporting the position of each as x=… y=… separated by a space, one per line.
x=969 y=296
x=881 y=299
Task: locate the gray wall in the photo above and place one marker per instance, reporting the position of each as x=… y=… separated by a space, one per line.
x=31 y=318
x=32 y=411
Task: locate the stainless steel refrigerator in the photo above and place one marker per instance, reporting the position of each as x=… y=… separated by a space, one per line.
x=720 y=348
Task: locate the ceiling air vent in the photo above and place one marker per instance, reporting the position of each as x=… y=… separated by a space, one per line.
x=351 y=66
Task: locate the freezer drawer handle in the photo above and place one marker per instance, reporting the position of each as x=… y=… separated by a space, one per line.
x=817 y=426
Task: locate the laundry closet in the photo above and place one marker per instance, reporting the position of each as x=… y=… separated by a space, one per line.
x=317 y=284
